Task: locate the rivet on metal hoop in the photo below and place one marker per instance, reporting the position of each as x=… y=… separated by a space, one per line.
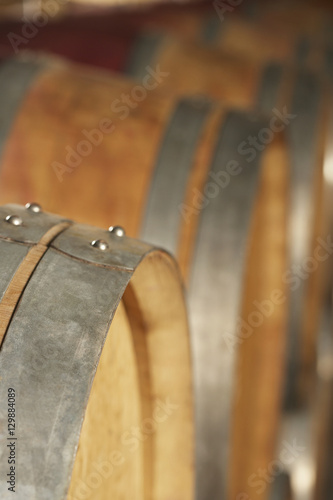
x=117 y=230
x=15 y=220
x=34 y=207
x=100 y=244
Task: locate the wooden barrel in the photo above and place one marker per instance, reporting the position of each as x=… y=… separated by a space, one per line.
x=297 y=92
x=95 y=364
x=176 y=171
x=289 y=31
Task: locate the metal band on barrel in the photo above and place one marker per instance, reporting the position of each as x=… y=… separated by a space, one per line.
x=16 y=240
x=142 y=54
x=215 y=301
x=280 y=488
x=161 y=223
x=302 y=134
x=67 y=307
x=269 y=87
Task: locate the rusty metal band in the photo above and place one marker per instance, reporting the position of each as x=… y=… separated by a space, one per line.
x=67 y=307
x=142 y=54
x=161 y=223
x=16 y=77
x=215 y=298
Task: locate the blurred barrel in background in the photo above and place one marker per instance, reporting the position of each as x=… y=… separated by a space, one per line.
x=259 y=39
x=290 y=33
x=177 y=171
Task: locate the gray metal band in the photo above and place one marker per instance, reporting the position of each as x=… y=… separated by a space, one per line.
x=215 y=300
x=162 y=219
x=269 y=87
x=303 y=137
x=124 y=252
x=50 y=356
x=34 y=225
x=328 y=44
x=15 y=241
x=143 y=54
x=211 y=28
x=281 y=489
x=329 y=61
x=16 y=77
x=302 y=50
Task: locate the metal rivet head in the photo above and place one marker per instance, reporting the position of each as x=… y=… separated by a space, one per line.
x=33 y=207
x=100 y=244
x=117 y=230
x=14 y=219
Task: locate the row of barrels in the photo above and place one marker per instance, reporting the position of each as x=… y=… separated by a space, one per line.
x=299 y=34
x=231 y=181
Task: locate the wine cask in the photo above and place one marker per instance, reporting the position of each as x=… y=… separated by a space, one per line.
x=174 y=171
x=95 y=364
